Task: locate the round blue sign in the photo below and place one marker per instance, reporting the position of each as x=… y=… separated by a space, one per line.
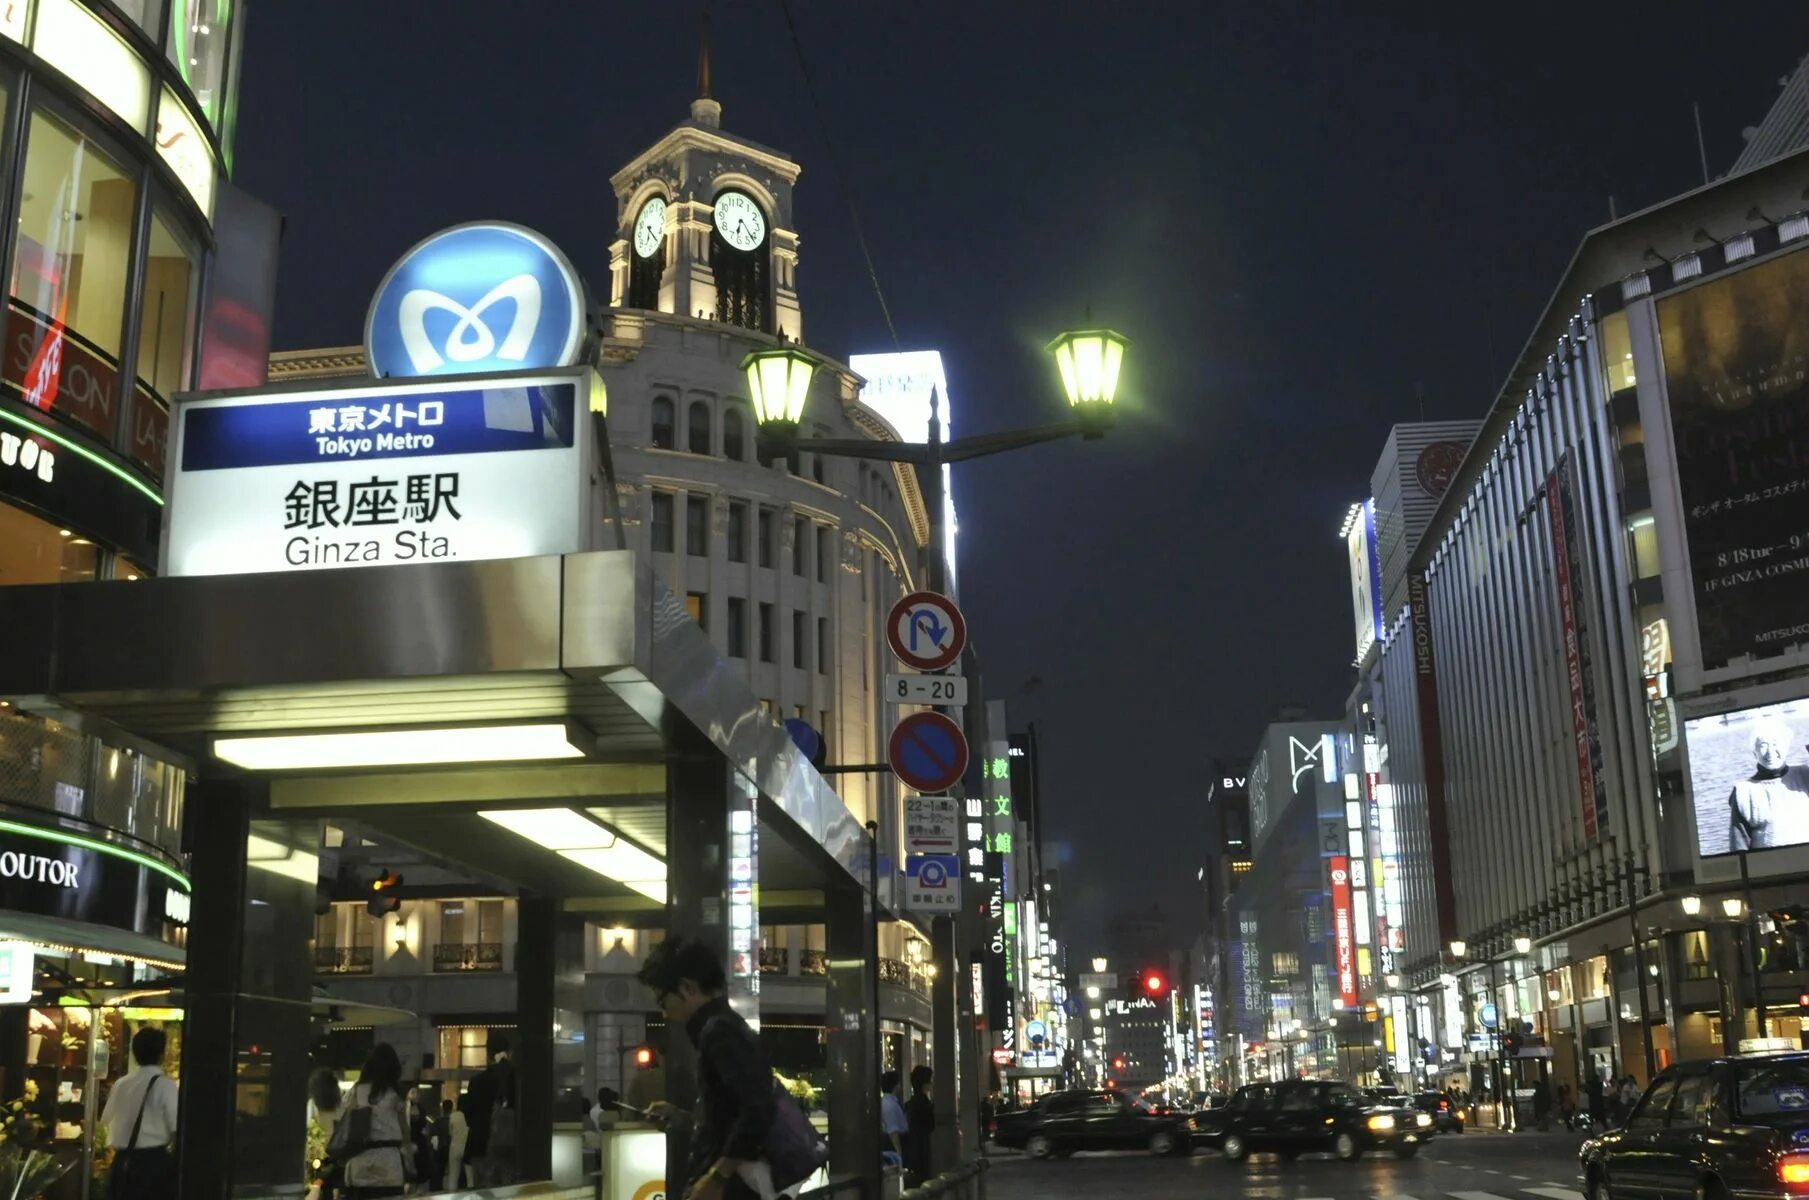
x=475 y=299
x=1489 y=1016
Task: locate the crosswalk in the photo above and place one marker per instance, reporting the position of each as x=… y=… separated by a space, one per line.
x=1545 y=1191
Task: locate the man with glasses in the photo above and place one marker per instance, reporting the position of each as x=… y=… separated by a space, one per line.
x=735 y=1105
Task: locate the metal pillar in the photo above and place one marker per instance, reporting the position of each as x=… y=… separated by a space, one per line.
x=247 y=995
x=535 y=921
x=851 y=1015
x=1752 y=937
x=697 y=836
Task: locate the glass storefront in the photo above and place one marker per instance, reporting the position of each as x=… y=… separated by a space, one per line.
x=32 y=550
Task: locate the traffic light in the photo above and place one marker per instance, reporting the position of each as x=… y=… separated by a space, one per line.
x=1117 y=1064
x=643 y=1057
x=383 y=898
x=1802 y=1002
x=1153 y=983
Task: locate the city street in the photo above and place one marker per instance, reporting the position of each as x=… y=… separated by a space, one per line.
x=1475 y=1166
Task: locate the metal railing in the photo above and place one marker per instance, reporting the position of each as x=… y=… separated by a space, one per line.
x=894 y=972
x=813 y=962
x=468 y=956
x=774 y=960
x=343 y=960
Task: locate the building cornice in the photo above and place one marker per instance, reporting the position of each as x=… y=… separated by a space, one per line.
x=696 y=137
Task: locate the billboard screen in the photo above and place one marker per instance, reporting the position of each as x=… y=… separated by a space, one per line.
x=1733 y=355
x=906 y=388
x=1365 y=575
x=1749 y=777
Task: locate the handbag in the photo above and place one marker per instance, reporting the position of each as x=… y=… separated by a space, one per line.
x=793 y=1149
x=351 y=1135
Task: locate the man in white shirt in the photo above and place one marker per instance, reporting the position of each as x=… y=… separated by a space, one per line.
x=892 y=1123
x=141 y=1125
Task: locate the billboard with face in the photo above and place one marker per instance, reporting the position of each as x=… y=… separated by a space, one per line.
x=1734 y=350
x=1749 y=778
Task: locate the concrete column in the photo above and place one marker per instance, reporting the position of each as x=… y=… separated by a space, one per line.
x=946 y=1051
x=536 y=917
x=851 y=1019
x=248 y=991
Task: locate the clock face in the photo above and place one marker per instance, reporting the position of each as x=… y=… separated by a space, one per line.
x=650 y=227
x=740 y=221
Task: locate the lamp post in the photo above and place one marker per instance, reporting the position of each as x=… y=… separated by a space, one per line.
x=1089 y=363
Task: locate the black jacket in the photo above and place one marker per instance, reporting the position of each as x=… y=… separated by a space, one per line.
x=495 y=1086
x=735 y=1104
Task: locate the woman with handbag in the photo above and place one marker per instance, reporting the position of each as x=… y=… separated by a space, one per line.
x=371 y=1135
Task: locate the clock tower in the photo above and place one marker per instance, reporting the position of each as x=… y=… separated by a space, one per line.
x=704 y=226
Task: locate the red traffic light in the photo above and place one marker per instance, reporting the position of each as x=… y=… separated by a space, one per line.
x=1153 y=983
x=643 y=1057
x=1802 y=1000
x=1117 y=1064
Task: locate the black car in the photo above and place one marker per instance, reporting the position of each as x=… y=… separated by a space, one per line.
x=1063 y=1122
x=1301 y=1116
x=1715 y=1129
x=1207 y=1126
x=1446 y=1116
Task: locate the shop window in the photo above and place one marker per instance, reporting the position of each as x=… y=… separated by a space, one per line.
x=737 y=632
x=1617 y=352
x=768 y=524
x=69 y=278
x=737 y=534
x=1642 y=544
x=166 y=317
x=697 y=606
x=1696 y=961
x=467 y=1047
x=697 y=427
x=662 y=520
x=124 y=568
x=35 y=551
x=665 y=421
x=697 y=526
x=734 y=434
x=200 y=37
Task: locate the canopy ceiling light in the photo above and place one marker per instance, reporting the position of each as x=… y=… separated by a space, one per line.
x=399 y=747
x=576 y=837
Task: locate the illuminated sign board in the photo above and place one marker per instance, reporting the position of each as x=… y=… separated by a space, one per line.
x=1365 y=574
x=480 y=298
x=379 y=475
x=906 y=388
x=1342 y=932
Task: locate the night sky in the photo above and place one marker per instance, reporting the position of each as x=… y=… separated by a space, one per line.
x=1303 y=217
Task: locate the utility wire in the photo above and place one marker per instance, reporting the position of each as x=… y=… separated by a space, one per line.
x=841 y=175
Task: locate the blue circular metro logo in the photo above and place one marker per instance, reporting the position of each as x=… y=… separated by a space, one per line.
x=475 y=299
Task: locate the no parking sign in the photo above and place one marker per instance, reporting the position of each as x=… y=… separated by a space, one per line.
x=933 y=883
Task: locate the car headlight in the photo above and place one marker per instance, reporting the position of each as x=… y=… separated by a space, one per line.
x=1381 y=1122
x=1422 y=1119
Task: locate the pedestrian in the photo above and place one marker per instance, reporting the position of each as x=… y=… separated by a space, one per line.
x=493 y=1118
x=458 y=1144
x=1567 y=1106
x=597 y=1118
x=988 y=1107
x=376 y=1156
x=141 y=1122
x=892 y=1123
x=1629 y=1097
x=1542 y=1104
x=420 y=1139
x=442 y=1146
x=324 y=1097
x=1598 y=1101
x=736 y=1107
x=920 y=1116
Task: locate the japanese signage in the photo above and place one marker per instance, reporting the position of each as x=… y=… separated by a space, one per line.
x=1733 y=361
x=932 y=825
x=1578 y=667
x=39 y=469
x=377 y=475
x=49 y=873
x=1344 y=951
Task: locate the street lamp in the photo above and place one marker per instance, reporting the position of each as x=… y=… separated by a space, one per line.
x=1457 y=947
x=1733 y=906
x=778 y=381
x=1692 y=905
x=1089 y=362
x=1099 y=966
x=1523 y=945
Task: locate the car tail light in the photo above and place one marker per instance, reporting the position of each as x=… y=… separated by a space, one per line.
x=1444 y=1106
x=1793 y=1172
x=992 y=1127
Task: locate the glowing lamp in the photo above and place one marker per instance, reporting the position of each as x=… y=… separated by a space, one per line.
x=1523 y=945
x=778 y=381
x=1089 y=362
x=1457 y=947
x=1692 y=905
x=1733 y=906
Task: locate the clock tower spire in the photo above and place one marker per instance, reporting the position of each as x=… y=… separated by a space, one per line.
x=703 y=224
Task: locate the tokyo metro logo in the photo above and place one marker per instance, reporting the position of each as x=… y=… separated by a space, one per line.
x=475 y=299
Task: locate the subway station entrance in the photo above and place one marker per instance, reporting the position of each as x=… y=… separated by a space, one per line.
x=557 y=724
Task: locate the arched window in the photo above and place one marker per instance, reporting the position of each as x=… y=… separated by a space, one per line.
x=734 y=445
x=697 y=427
x=665 y=422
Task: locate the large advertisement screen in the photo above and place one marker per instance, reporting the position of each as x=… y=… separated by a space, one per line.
x=1734 y=354
x=1749 y=777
